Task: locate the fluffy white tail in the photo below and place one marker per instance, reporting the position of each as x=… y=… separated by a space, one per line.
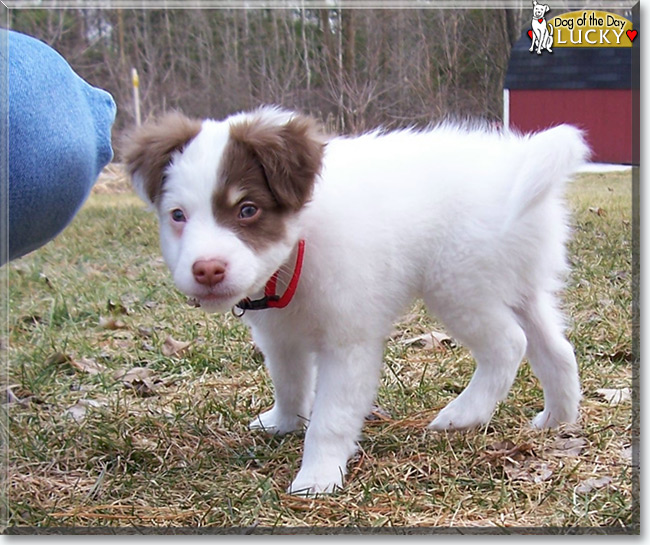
x=548 y=161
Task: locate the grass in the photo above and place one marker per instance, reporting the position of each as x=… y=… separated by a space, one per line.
x=171 y=448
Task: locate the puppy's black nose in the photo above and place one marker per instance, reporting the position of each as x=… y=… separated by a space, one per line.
x=209 y=272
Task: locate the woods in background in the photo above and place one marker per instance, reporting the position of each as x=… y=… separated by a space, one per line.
x=354 y=69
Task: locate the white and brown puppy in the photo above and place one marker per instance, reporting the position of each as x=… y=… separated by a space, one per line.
x=471 y=221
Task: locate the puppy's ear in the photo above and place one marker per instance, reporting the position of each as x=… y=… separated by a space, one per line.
x=149 y=149
x=289 y=150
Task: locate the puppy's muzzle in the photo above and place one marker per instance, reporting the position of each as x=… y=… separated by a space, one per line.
x=209 y=272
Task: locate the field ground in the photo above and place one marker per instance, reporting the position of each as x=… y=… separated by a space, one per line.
x=126 y=407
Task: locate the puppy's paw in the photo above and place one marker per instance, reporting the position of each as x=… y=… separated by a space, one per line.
x=547 y=419
x=313 y=484
x=275 y=423
x=460 y=416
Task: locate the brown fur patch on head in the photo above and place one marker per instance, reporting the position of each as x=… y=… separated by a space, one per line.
x=148 y=150
x=290 y=155
x=271 y=166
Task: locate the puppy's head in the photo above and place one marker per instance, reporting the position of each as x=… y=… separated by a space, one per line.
x=228 y=194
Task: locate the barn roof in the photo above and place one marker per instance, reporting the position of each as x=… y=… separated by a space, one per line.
x=569 y=67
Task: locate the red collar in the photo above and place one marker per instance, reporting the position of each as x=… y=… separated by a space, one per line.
x=270 y=299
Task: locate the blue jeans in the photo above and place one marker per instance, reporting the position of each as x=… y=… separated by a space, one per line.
x=59 y=139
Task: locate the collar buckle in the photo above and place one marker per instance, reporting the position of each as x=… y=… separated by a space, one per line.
x=270 y=299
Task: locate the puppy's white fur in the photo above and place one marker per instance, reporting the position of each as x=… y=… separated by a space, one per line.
x=471 y=221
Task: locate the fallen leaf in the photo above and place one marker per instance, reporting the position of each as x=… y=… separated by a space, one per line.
x=87 y=365
x=143 y=443
x=535 y=471
x=31 y=319
x=378 y=414
x=146 y=332
x=21 y=396
x=78 y=411
x=626 y=453
x=432 y=340
x=570 y=430
x=593 y=483
x=140 y=379
x=58 y=358
x=615 y=396
x=135 y=373
x=117 y=308
x=111 y=323
x=172 y=347
x=509 y=450
x=598 y=210
x=500 y=446
x=618 y=356
x=193 y=302
x=567 y=446
x=519 y=462
x=47 y=281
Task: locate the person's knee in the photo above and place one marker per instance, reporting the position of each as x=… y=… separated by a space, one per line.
x=59 y=141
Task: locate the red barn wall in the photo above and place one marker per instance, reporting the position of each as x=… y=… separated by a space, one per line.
x=605 y=114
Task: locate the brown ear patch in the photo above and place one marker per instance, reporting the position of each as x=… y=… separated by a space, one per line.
x=149 y=149
x=290 y=155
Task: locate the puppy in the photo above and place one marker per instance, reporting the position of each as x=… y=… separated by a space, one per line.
x=542 y=32
x=321 y=243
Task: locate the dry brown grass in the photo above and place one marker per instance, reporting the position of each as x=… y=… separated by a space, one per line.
x=172 y=450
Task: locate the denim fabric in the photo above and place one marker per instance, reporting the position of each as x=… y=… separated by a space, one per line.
x=59 y=131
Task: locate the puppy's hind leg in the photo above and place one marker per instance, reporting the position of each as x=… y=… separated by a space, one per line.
x=553 y=361
x=498 y=344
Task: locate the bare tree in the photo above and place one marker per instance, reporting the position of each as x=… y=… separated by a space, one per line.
x=356 y=69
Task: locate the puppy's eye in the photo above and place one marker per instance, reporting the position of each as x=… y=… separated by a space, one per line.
x=248 y=211
x=178 y=215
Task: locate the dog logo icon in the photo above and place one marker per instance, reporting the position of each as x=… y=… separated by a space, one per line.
x=542 y=32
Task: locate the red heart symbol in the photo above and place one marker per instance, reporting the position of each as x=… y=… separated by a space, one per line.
x=631 y=34
x=539 y=20
x=530 y=34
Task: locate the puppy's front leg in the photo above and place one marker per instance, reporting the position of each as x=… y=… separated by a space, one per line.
x=293 y=373
x=346 y=385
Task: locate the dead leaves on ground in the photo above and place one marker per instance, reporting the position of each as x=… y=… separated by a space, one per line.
x=598 y=211
x=432 y=340
x=78 y=411
x=172 y=347
x=429 y=340
x=525 y=462
x=87 y=365
x=519 y=462
x=615 y=396
x=593 y=483
x=14 y=393
x=141 y=380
